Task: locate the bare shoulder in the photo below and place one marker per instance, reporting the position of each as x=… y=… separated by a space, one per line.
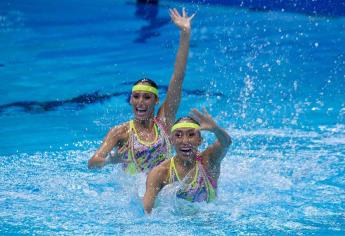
x=161 y=172
x=120 y=131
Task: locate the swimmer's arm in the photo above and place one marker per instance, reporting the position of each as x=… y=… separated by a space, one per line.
x=217 y=150
x=154 y=183
x=172 y=101
x=100 y=159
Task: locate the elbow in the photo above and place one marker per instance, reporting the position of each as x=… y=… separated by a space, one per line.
x=92 y=163
x=147 y=210
x=147 y=206
x=229 y=141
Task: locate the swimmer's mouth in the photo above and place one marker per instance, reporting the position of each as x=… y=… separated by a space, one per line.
x=186 y=150
x=141 y=111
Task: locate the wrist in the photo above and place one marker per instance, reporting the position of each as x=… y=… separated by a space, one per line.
x=214 y=129
x=185 y=31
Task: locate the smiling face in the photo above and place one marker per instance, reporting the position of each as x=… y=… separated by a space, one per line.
x=143 y=104
x=186 y=142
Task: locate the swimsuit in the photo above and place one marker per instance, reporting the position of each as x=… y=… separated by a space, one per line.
x=202 y=188
x=143 y=156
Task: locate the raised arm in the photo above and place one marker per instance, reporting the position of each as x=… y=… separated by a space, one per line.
x=102 y=156
x=172 y=101
x=217 y=150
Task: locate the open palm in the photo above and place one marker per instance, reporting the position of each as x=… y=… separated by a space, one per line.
x=205 y=120
x=183 y=22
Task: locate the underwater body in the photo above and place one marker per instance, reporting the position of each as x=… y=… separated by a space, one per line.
x=275 y=79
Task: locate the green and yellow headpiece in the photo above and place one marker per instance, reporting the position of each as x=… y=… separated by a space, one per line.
x=145 y=88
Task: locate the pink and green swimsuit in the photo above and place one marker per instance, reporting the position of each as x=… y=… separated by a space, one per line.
x=143 y=156
x=202 y=188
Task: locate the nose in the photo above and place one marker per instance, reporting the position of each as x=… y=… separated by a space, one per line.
x=185 y=139
x=141 y=100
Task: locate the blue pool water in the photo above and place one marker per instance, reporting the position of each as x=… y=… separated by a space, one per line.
x=275 y=80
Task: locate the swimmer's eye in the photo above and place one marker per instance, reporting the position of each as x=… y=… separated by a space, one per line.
x=178 y=134
x=147 y=97
x=191 y=134
x=136 y=96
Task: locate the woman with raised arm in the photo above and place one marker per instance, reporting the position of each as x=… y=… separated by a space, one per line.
x=197 y=172
x=143 y=143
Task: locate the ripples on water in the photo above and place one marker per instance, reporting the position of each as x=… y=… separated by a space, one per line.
x=278 y=181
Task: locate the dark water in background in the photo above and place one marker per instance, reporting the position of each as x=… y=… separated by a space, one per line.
x=315 y=8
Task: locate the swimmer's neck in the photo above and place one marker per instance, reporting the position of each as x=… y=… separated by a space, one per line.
x=146 y=124
x=187 y=164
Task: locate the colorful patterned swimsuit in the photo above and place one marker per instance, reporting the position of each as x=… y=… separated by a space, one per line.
x=143 y=156
x=202 y=188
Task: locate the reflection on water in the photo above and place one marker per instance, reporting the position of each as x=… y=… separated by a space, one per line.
x=149 y=13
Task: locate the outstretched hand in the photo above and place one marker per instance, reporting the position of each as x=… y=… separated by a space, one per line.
x=182 y=22
x=204 y=119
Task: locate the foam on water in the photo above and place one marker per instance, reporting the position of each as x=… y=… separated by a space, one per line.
x=300 y=188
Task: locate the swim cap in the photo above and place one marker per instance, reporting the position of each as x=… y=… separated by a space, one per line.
x=145 y=88
x=185 y=125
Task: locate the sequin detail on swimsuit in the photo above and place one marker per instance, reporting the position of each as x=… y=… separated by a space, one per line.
x=143 y=156
x=202 y=188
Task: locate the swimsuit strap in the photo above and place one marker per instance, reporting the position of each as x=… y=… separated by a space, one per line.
x=132 y=127
x=173 y=169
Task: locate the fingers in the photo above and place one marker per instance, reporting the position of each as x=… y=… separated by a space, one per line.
x=175 y=14
x=193 y=111
x=172 y=15
x=206 y=112
x=196 y=115
x=199 y=114
x=192 y=16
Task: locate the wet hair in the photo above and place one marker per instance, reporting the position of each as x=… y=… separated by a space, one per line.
x=190 y=119
x=146 y=80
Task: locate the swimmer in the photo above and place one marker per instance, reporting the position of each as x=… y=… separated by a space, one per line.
x=143 y=142
x=197 y=172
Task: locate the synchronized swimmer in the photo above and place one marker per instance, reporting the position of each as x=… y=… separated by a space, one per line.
x=144 y=143
x=197 y=172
